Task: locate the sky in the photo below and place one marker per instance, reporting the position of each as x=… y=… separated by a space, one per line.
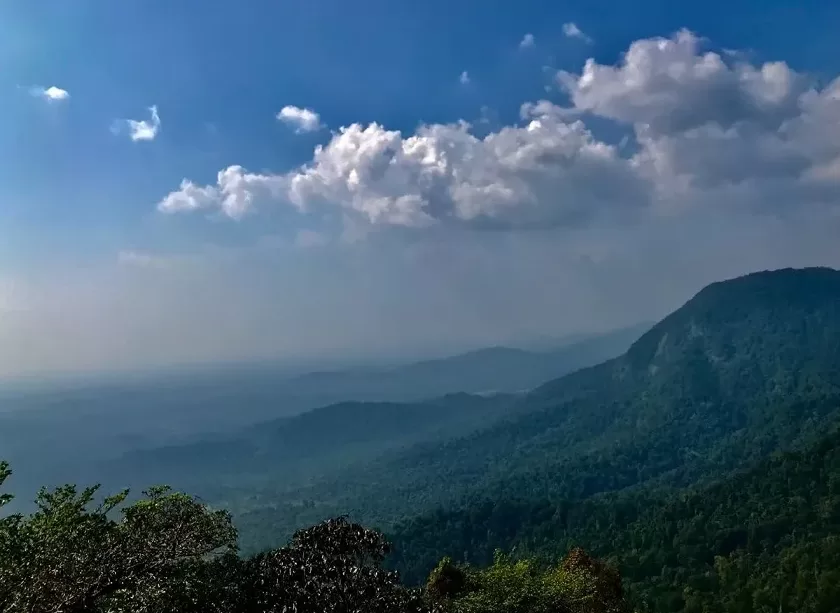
x=196 y=181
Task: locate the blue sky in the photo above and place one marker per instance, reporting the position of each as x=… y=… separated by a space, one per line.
x=96 y=271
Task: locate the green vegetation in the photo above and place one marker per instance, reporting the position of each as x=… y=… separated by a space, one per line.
x=168 y=553
x=767 y=539
x=577 y=584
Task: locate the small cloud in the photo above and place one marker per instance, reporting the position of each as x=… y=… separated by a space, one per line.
x=140 y=130
x=309 y=239
x=572 y=31
x=527 y=41
x=50 y=94
x=145 y=130
x=141 y=260
x=464 y=78
x=302 y=120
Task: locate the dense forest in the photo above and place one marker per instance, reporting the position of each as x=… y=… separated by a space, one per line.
x=767 y=539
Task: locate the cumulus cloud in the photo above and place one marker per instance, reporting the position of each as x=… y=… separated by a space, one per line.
x=669 y=84
x=527 y=41
x=50 y=94
x=570 y=30
x=713 y=129
x=698 y=129
x=302 y=120
x=545 y=171
x=233 y=194
x=464 y=79
x=140 y=130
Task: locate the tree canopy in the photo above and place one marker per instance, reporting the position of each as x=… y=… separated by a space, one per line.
x=167 y=552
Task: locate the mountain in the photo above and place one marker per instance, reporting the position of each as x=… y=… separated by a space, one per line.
x=746 y=368
x=290 y=449
x=61 y=434
x=492 y=369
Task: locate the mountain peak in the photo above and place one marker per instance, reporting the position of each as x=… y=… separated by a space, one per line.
x=774 y=310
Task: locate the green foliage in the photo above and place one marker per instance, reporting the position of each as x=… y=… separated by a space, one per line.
x=446 y=581
x=72 y=554
x=578 y=584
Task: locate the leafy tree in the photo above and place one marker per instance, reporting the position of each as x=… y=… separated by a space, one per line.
x=76 y=555
x=578 y=584
x=334 y=566
x=168 y=553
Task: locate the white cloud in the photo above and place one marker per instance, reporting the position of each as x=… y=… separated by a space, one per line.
x=714 y=130
x=697 y=130
x=464 y=79
x=302 y=120
x=571 y=30
x=140 y=130
x=545 y=171
x=50 y=94
x=527 y=41
x=670 y=84
x=233 y=194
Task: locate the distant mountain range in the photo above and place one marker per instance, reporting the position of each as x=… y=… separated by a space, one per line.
x=493 y=369
x=441 y=398
x=57 y=434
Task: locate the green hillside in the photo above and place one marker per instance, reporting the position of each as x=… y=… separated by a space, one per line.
x=766 y=539
x=746 y=368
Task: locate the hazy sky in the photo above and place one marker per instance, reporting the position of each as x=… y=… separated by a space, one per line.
x=196 y=180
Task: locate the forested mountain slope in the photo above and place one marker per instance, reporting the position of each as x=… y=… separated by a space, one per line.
x=290 y=449
x=767 y=538
x=747 y=367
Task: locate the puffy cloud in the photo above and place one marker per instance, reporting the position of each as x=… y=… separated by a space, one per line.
x=464 y=79
x=570 y=30
x=527 y=41
x=670 y=85
x=302 y=120
x=714 y=130
x=705 y=130
x=233 y=194
x=140 y=130
x=50 y=94
x=544 y=172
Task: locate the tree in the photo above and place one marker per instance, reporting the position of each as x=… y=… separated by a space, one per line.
x=75 y=554
x=579 y=584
